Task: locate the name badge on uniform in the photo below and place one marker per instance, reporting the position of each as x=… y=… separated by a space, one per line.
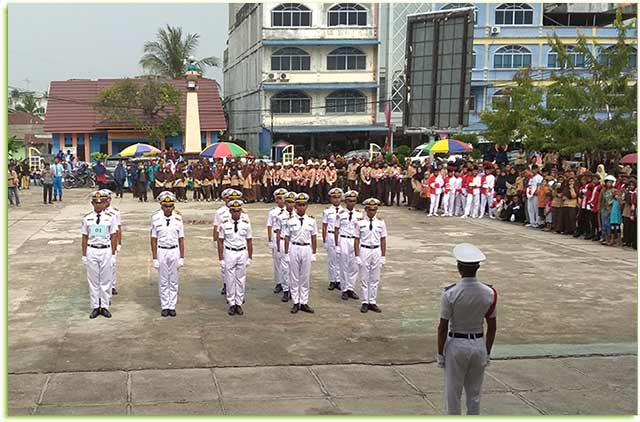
x=98 y=230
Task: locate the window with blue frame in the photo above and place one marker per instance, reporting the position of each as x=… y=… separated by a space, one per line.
x=290 y=58
x=291 y=15
x=502 y=96
x=347 y=14
x=514 y=14
x=473 y=62
x=450 y=6
x=291 y=102
x=512 y=57
x=472 y=104
x=346 y=101
x=574 y=59
x=605 y=57
x=346 y=58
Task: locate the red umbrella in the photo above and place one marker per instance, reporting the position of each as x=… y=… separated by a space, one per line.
x=629 y=159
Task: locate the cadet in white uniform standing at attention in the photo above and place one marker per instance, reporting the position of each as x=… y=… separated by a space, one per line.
x=463 y=351
x=222 y=212
x=371 y=251
x=279 y=224
x=99 y=242
x=167 y=249
x=235 y=249
x=118 y=216
x=272 y=221
x=329 y=217
x=300 y=243
x=344 y=237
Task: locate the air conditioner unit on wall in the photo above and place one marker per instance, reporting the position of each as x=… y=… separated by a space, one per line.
x=283 y=77
x=495 y=30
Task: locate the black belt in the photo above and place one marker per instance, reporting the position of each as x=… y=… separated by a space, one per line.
x=168 y=247
x=347 y=237
x=329 y=231
x=235 y=249
x=468 y=336
x=300 y=244
x=370 y=247
x=99 y=246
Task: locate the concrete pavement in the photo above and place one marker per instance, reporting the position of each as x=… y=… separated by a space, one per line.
x=558 y=296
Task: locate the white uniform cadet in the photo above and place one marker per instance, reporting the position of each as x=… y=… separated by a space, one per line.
x=168 y=231
x=487 y=197
x=272 y=221
x=235 y=254
x=300 y=236
x=329 y=218
x=118 y=217
x=465 y=354
x=346 y=227
x=279 y=225
x=371 y=233
x=99 y=227
x=221 y=214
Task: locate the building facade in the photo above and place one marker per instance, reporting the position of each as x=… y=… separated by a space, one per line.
x=75 y=125
x=306 y=73
x=507 y=36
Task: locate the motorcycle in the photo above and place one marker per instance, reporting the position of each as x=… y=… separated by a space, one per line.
x=82 y=177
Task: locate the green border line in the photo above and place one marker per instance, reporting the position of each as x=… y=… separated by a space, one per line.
x=5 y=190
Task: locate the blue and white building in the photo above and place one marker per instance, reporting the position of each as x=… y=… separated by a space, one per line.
x=507 y=36
x=305 y=73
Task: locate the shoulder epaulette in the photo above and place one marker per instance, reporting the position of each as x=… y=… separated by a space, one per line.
x=178 y=212
x=449 y=287
x=115 y=209
x=487 y=284
x=310 y=216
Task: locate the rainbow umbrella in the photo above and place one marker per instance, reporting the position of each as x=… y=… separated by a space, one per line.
x=138 y=150
x=447 y=146
x=222 y=150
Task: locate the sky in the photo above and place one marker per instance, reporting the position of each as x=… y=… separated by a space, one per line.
x=49 y=42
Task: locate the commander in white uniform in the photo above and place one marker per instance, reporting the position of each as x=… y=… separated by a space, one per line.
x=220 y=214
x=99 y=242
x=167 y=249
x=116 y=212
x=463 y=349
x=235 y=250
x=371 y=251
x=278 y=228
x=329 y=217
x=272 y=220
x=300 y=243
x=345 y=231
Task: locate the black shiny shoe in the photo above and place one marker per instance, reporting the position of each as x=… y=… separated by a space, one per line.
x=232 y=310
x=94 y=313
x=164 y=313
x=105 y=313
x=172 y=312
x=114 y=291
x=345 y=296
x=332 y=285
x=278 y=288
x=352 y=294
x=295 y=309
x=306 y=308
x=364 y=308
x=337 y=284
x=285 y=297
x=374 y=308
x=239 y=310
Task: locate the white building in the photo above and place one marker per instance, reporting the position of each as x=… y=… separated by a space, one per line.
x=304 y=73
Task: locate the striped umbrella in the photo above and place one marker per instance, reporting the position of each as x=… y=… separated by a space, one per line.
x=138 y=150
x=222 y=150
x=450 y=146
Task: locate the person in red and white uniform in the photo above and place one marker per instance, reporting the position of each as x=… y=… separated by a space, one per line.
x=487 y=189
x=446 y=193
x=436 y=182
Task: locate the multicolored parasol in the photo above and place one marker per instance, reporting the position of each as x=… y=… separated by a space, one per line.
x=629 y=159
x=450 y=146
x=138 y=150
x=222 y=150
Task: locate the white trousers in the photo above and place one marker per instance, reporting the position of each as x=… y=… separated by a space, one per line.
x=348 y=267
x=99 y=274
x=235 y=275
x=284 y=268
x=434 y=203
x=277 y=264
x=333 y=263
x=114 y=274
x=475 y=207
x=447 y=204
x=370 y=274
x=463 y=368
x=222 y=272
x=468 y=204
x=168 y=277
x=299 y=272
x=486 y=199
x=458 y=203
x=532 y=206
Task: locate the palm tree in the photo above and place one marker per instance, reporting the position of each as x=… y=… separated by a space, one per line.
x=14 y=97
x=30 y=105
x=168 y=55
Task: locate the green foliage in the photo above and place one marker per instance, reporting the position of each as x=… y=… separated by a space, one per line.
x=30 y=105
x=149 y=105
x=468 y=138
x=168 y=55
x=14 y=145
x=97 y=156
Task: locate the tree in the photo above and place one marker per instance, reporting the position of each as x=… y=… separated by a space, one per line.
x=516 y=116
x=149 y=105
x=14 y=145
x=14 y=97
x=168 y=55
x=31 y=105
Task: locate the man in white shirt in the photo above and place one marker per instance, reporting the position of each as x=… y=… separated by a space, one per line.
x=329 y=217
x=344 y=236
x=535 y=181
x=118 y=216
x=272 y=219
